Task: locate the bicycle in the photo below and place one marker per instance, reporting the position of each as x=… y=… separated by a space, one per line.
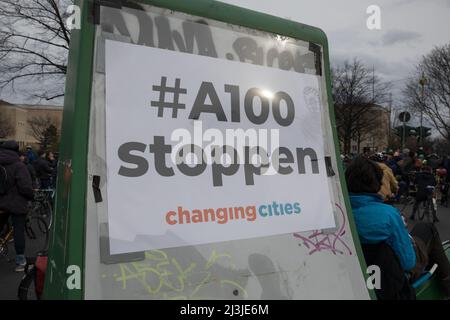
x=34 y=271
x=32 y=224
x=442 y=182
x=407 y=199
x=444 y=188
x=428 y=209
x=406 y=202
x=42 y=206
x=9 y=235
x=32 y=284
x=36 y=228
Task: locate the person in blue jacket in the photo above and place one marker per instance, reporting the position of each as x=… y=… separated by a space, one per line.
x=31 y=156
x=377 y=222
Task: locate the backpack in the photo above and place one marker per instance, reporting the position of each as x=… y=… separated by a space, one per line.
x=3 y=181
x=394 y=283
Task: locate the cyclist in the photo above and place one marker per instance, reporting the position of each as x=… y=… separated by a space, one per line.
x=30 y=155
x=14 y=202
x=43 y=170
x=425 y=182
x=53 y=164
x=389 y=185
x=31 y=170
x=419 y=162
x=441 y=173
x=404 y=167
x=434 y=161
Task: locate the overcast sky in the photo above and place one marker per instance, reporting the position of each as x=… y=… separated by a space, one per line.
x=409 y=29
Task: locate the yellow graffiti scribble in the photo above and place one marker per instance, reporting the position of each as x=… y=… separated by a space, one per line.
x=202 y=283
x=160 y=272
x=214 y=257
x=140 y=274
x=153 y=255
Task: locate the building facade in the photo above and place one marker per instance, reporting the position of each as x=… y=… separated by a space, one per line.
x=374 y=137
x=16 y=119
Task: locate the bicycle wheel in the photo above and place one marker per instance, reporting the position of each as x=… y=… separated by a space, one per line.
x=406 y=202
x=3 y=248
x=46 y=212
x=403 y=203
x=431 y=214
x=427 y=214
x=4 y=241
x=26 y=289
x=37 y=230
x=29 y=230
x=421 y=212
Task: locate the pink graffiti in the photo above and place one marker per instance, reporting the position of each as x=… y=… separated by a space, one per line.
x=317 y=241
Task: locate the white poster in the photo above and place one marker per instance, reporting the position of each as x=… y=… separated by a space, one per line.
x=203 y=150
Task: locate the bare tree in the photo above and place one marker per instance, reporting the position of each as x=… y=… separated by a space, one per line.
x=440 y=146
x=6 y=128
x=34 y=45
x=366 y=126
x=50 y=138
x=39 y=127
x=356 y=89
x=434 y=100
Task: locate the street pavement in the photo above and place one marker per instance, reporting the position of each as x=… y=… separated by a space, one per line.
x=443 y=225
x=9 y=279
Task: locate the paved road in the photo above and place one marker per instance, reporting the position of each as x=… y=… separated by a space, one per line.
x=443 y=225
x=9 y=279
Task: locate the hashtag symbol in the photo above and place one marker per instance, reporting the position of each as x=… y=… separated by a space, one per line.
x=162 y=103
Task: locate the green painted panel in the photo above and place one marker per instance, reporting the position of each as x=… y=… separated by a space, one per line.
x=67 y=238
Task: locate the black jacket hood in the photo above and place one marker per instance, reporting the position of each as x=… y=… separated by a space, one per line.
x=8 y=157
x=10 y=145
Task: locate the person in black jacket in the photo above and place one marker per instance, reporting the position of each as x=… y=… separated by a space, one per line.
x=53 y=163
x=34 y=182
x=43 y=170
x=424 y=180
x=14 y=202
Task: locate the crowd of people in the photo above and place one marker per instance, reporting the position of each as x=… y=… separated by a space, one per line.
x=21 y=174
x=376 y=182
x=408 y=170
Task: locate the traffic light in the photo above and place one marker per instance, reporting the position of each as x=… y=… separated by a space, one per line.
x=426 y=132
x=409 y=131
